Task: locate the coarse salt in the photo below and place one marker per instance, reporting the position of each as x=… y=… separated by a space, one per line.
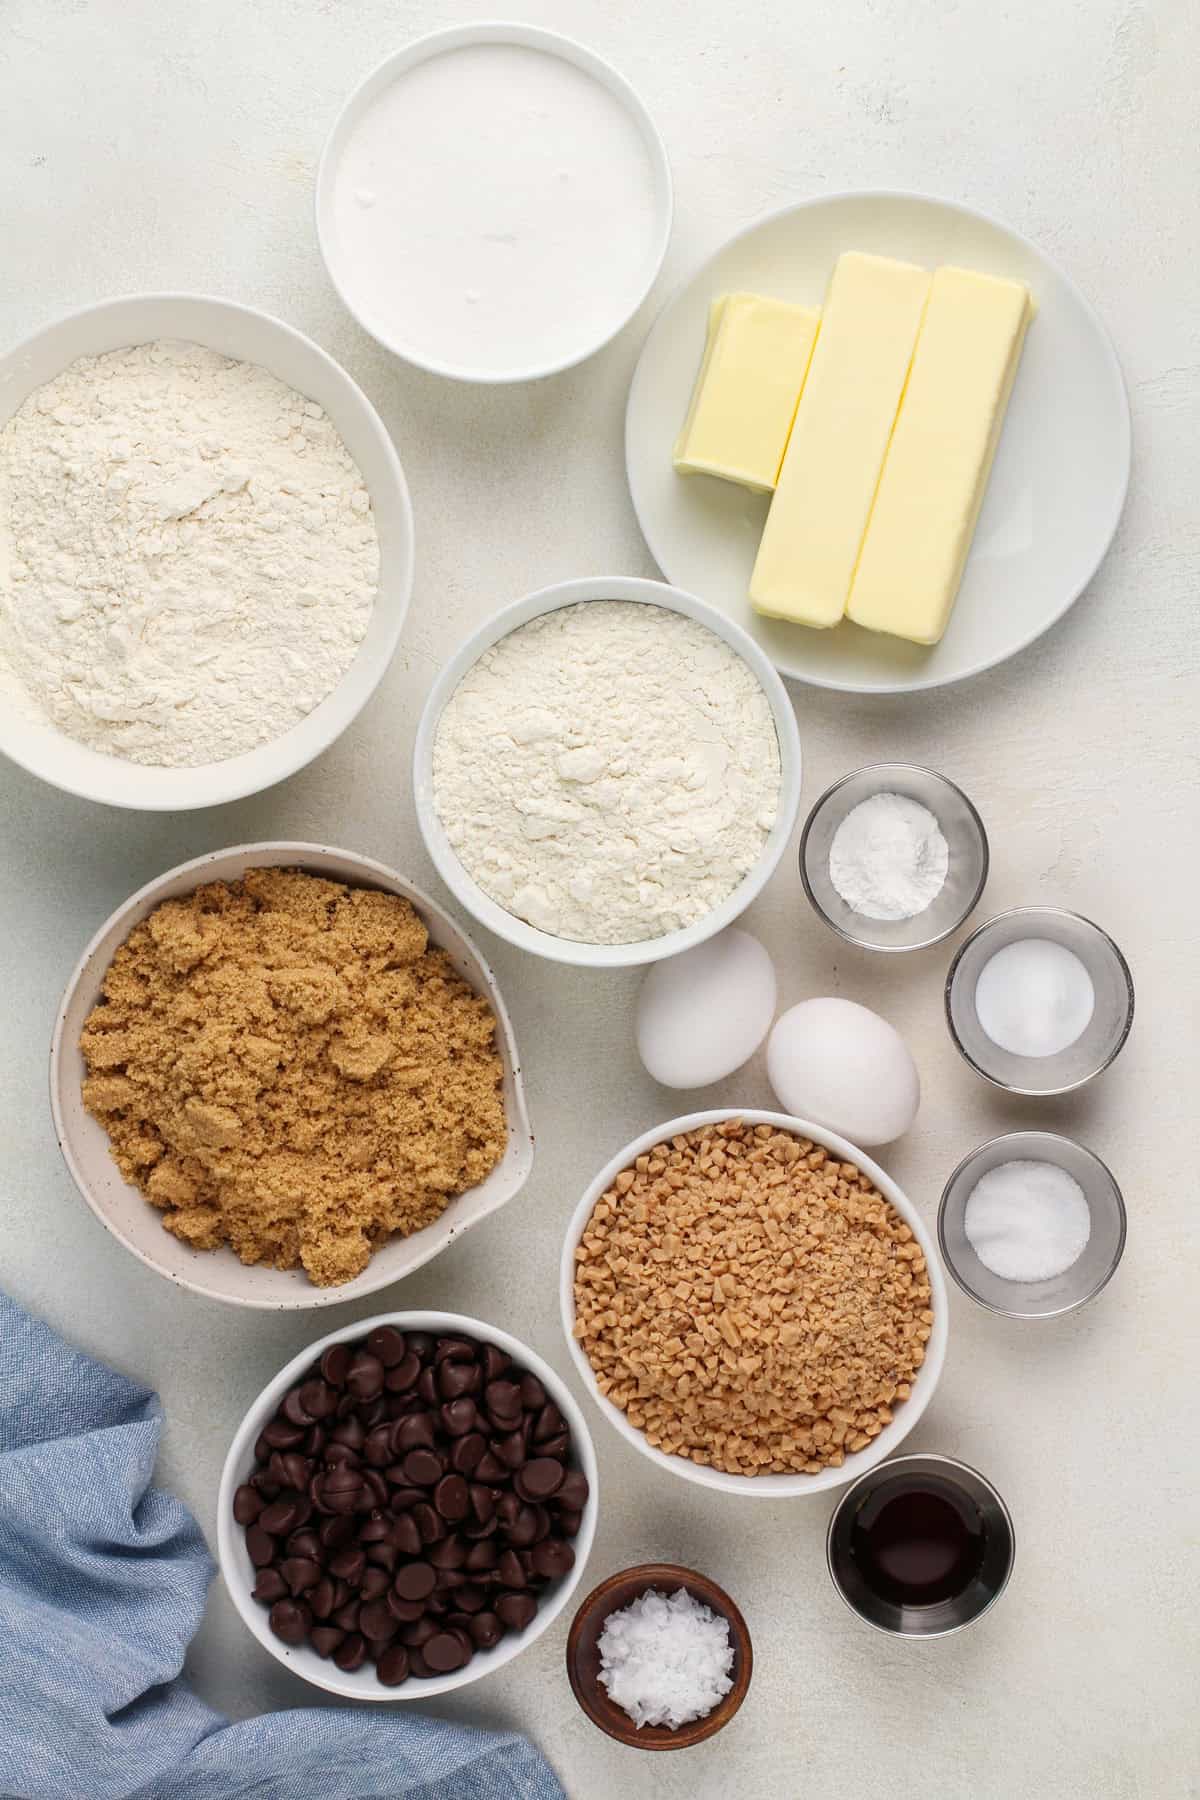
x=665 y=1658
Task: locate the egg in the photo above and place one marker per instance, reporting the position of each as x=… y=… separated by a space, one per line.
x=840 y=1065
x=702 y=1014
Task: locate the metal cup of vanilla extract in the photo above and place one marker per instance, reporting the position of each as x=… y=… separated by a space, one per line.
x=921 y=1546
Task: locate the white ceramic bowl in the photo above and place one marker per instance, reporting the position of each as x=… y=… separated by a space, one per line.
x=238 y=1570
x=568 y=950
x=219 y=1274
x=438 y=43
x=250 y=336
x=764 y=1487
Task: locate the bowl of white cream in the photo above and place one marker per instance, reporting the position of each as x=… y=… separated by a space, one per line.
x=608 y=772
x=493 y=203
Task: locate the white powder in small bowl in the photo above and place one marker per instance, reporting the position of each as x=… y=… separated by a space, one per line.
x=665 y=1659
x=1027 y=1221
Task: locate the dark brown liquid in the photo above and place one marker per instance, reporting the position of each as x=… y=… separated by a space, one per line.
x=917 y=1540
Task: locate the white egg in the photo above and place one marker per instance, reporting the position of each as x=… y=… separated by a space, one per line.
x=700 y=1015
x=839 y=1065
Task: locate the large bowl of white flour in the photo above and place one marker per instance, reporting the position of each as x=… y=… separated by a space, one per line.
x=206 y=552
x=607 y=773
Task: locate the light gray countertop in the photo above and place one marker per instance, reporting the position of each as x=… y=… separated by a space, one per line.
x=152 y=144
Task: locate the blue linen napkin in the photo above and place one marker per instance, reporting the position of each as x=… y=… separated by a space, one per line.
x=102 y=1583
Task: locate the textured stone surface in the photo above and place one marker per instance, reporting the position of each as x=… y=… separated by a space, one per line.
x=152 y=144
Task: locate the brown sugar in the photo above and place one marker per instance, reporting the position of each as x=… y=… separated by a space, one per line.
x=284 y=1065
x=751 y=1303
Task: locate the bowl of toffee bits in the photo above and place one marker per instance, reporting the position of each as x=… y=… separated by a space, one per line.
x=407 y=1506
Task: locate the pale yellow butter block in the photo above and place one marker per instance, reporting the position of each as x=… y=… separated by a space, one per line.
x=941 y=453
x=815 y=527
x=745 y=395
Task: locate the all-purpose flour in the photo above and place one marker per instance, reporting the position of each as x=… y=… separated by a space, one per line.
x=187 y=555
x=608 y=772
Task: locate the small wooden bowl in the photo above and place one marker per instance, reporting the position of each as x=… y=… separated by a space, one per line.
x=583 y=1655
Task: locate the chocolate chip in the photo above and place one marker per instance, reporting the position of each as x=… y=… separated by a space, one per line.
x=405 y=1612
x=510 y=1450
x=419 y=1667
x=375 y=1621
x=423 y=1467
x=269 y=1587
x=374 y=1529
x=481 y=1555
x=455 y=1378
x=549 y=1423
x=427 y=1385
x=351 y=1653
x=365 y=1380
x=427 y=1523
x=335 y=1533
x=466 y=1452
x=281 y=1516
x=553 y=1557
x=421 y=1344
x=415 y=1581
x=375 y=1582
x=454 y=1349
x=510 y=1571
x=483 y=1501
x=451 y=1553
x=503 y=1398
x=419 y=1632
x=347 y=1616
x=290 y=1620
x=446 y=1652
x=460 y=1416
x=524 y=1528
x=451 y=1499
x=300 y=1573
x=569 y=1523
x=279 y=1435
x=486 y=1630
x=403 y=1497
x=494 y=1361
x=490 y=1468
x=318 y=1399
x=404 y=1375
x=388 y=1344
x=335 y=1364
x=416 y=1432
x=574 y=1490
x=471 y=1598
x=377 y=1446
x=348 y=1565
x=304 y=1543
x=516 y=1610
x=294 y=1410
x=260 y=1546
x=384 y=1556
x=392 y=1666
x=405 y=1536
x=247 y=1504
x=539 y=1478
x=325 y=1639
x=533 y=1394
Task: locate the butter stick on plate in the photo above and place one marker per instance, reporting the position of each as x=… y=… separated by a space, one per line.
x=941 y=453
x=815 y=527
x=754 y=365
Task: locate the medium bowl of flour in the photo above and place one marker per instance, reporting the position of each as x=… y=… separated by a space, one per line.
x=607 y=773
x=206 y=552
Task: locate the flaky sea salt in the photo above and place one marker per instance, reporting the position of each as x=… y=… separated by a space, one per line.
x=665 y=1659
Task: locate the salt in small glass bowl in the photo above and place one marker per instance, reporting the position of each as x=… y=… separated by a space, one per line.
x=965 y=838
x=1096 y=1264
x=1095 y=1048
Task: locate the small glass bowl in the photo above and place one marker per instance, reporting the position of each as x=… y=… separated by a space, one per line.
x=945 y=1616
x=1063 y=1293
x=1092 y=1051
x=965 y=838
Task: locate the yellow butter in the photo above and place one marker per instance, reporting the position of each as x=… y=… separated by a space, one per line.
x=745 y=394
x=830 y=470
x=940 y=456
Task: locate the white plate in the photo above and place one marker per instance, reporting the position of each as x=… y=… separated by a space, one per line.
x=1057 y=487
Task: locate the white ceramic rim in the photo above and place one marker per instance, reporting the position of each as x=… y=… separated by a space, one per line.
x=1125 y=448
x=765 y=1487
x=214 y=784
x=458 y=37
x=235 y=1562
x=282 y=853
x=570 y=950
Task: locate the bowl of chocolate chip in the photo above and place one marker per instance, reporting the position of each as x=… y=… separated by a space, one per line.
x=407 y=1506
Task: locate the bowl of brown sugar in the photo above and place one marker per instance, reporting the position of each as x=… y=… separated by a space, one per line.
x=284 y=1077
x=753 y=1303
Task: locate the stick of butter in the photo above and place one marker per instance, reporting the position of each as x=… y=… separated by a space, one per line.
x=745 y=395
x=839 y=439
x=941 y=453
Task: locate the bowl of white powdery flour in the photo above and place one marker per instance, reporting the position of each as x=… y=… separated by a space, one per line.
x=206 y=552
x=608 y=772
